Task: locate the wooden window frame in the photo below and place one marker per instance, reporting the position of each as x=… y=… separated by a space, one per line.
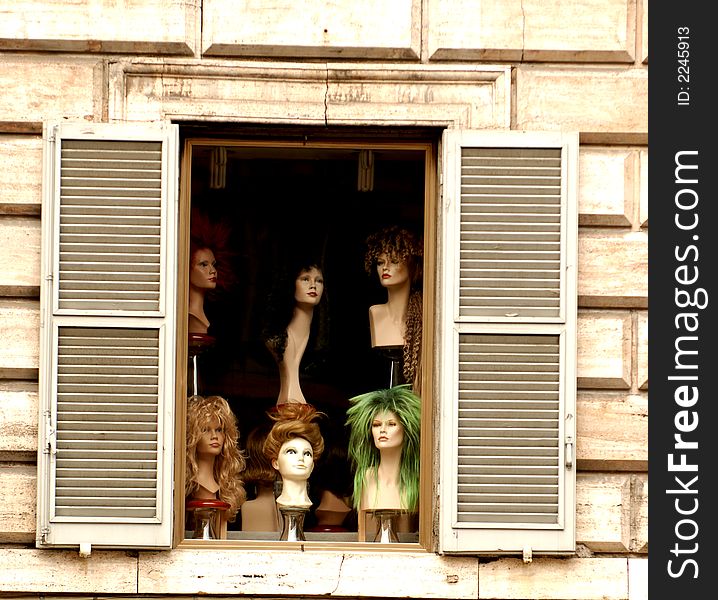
x=269 y=140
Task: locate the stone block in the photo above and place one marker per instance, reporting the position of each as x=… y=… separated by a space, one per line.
x=608 y=186
x=643 y=189
x=20 y=267
x=39 y=87
x=609 y=511
x=639 y=514
x=638 y=576
x=65 y=572
x=137 y=27
x=604 y=349
x=19 y=352
x=293 y=572
x=612 y=268
x=642 y=351
x=612 y=431
x=644 y=33
x=554 y=579
x=18 y=497
x=532 y=30
x=21 y=184
x=372 y=29
x=602 y=522
x=588 y=100
x=18 y=420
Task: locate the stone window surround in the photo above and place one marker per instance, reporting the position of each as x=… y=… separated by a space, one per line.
x=387 y=94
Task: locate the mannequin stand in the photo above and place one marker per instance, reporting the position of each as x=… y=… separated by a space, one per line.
x=293 y=523
x=385 y=518
x=196 y=344
x=206 y=515
x=394 y=355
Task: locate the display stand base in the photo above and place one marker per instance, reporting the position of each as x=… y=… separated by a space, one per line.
x=293 y=523
x=206 y=517
x=385 y=518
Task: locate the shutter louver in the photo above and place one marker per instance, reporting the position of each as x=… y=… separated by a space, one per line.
x=107 y=423
x=110 y=222
x=508 y=455
x=510 y=253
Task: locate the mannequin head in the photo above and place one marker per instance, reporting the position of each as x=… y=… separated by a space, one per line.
x=212 y=437
x=397 y=248
x=379 y=421
x=294 y=444
x=300 y=284
x=208 y=267
x=387 y=430
x=391 y=271
x=208 y=250
x=295 y=460
x=309 y=286
x=395 y=255
x=203 y=269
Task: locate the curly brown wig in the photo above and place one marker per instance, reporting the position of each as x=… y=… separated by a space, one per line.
x=402 y=245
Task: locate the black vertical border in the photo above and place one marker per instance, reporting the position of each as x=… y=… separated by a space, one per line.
x=680 y=123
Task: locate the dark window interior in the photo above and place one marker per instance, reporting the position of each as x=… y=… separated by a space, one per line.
x=279 y=203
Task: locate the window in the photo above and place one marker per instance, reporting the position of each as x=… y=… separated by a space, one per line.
x=286 y=200
x=116 y=367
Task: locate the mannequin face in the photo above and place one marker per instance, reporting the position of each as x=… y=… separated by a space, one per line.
x=387 y=430
x=203 y=273
x=391 y=270
x=295 y=460
x=309 y=287
x=212 y=440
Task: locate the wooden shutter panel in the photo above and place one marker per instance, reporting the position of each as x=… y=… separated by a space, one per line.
x=509 y=451
x=510 y=232
x=507 y=363
x=110 y=210
x=107 y=336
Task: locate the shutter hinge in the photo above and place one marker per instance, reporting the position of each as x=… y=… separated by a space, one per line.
x=44 y=533
x=50 y=433
x=52 y=133
x=528 y=555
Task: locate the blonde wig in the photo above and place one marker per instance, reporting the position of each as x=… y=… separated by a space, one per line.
x=230 y=463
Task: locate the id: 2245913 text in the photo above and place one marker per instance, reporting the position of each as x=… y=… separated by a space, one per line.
x=683 y=70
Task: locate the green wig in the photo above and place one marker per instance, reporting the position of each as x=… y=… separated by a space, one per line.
x=406 y=405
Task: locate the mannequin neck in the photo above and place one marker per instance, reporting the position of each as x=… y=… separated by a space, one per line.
x=205 y=472
x=294 y=493
x=198 y=322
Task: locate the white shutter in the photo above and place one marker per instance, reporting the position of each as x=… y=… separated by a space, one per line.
x=107 y=350
x=508 y=330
